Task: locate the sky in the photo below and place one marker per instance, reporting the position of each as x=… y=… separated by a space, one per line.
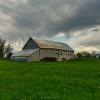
x=76 y=22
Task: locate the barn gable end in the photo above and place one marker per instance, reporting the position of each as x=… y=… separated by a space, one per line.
x=31 y=44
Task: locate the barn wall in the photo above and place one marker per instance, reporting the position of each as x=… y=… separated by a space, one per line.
x=34 y=56
x=70 y=55
x=49 y=53
x=59 y=54
x=20 y=58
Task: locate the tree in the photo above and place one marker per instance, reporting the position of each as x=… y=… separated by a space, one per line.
x=8 y=51
x=85 y=54
x=93 y=54
x=2 y=44
x=78 y=55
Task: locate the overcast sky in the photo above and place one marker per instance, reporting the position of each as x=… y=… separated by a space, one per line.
x=76 y=22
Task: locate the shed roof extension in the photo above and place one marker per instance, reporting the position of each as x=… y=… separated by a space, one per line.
x=24 y=53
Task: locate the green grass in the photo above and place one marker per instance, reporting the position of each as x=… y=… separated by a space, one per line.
x=71 y=80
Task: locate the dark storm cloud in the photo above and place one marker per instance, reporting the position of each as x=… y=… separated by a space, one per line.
x=46 y=18
x=51 y=17
x=88 y=15
x=36 y=16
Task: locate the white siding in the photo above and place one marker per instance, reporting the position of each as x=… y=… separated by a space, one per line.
x=60 y=54
x=52 y=53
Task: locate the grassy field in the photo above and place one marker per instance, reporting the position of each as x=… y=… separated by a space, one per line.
x=71 y=80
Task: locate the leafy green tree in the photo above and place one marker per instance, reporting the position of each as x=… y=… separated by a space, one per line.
x=85 y=54
x=2 y=45
x=79 y=55
x=8 y=51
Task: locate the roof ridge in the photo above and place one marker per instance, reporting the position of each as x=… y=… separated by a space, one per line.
x=44 y=43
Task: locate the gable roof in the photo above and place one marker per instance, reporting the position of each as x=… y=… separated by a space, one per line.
x=52 y=44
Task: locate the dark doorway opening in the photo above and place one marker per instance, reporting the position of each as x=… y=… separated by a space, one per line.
x=49 y=59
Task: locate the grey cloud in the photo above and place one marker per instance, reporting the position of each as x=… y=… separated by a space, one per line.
x=88 y=15
x=37 y=16
x=47 y=18
x=93 y=40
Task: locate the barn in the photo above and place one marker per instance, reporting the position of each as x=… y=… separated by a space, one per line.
x=37 y=50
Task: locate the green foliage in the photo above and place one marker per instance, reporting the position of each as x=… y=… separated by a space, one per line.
x=85 y=54
x=72 y=80
x=8 y=51
x=2 y=43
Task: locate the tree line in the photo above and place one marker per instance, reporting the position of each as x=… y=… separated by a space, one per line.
x=5 y=50
x=85 y=54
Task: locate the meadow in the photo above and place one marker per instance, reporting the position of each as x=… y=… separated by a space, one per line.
x=68 y=80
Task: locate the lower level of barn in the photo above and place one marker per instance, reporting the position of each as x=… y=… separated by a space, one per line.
x=43 y=55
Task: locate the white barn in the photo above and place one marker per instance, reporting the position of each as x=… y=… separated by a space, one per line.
x=37 y=50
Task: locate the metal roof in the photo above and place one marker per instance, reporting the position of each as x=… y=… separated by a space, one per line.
x=24 y=53
x=66 y=46
x=52 y=44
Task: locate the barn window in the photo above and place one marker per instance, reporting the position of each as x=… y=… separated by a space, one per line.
x=57 y=54
x=61 y=53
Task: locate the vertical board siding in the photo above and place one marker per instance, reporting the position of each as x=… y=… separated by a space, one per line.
x=47 y=53
x=59 y=54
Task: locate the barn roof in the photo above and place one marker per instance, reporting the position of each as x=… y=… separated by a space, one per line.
x=52 y=44
x=25 y=53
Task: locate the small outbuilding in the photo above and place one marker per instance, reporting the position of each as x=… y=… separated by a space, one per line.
x=97 y=55
x=37 y=50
